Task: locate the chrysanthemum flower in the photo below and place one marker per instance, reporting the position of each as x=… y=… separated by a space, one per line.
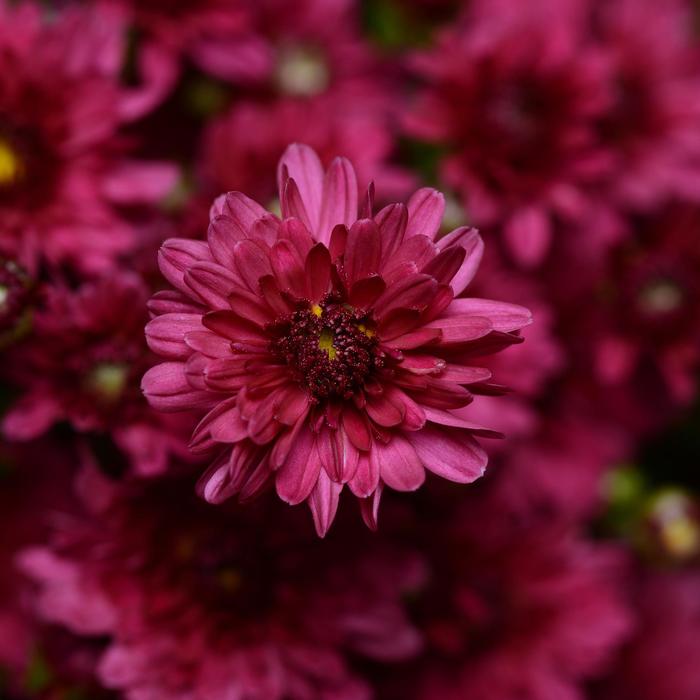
x=188 y=605
x=82 y=364
x=64 y=172
x=241 y=148
x=514 y=608
x=511 y=93
x=329 y=349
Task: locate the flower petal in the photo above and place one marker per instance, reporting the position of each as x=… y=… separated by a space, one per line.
x=504 y=317
x=303 y=165
x=398 y=464
x=449 y=453
x=470 y=240
x=362 y=250
x=324 y=503
x=426 y=208
x=339 y=205
x=167 y=389
x=165 y=334
x=298 y=475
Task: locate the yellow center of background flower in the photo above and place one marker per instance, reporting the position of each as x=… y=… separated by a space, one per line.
x=10 y=164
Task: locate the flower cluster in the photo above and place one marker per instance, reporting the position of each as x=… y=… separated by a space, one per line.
x=426 y=268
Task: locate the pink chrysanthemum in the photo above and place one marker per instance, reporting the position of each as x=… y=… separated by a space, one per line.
x=512 y=91
x=329 y=349
x=82 y=364
x=514 y=608
x=64 y=172
x=188 y=605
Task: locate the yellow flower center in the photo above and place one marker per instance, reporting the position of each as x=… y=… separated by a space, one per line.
x=325 y=342
x=108 y=380
x=302 y=72
x=10 y=164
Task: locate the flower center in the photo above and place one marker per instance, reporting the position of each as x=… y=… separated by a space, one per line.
x=107 y=381
x=11 y=167
x=302 y=72
x=330 y=348
x=660 y=297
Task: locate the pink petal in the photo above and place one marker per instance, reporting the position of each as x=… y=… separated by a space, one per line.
x=338 y=455
x=504 y=317
x=362 y=250
x=415 y=339
x=30 y=417
x=391 y=222
x=271 y=293
x=411 y=292
x=339 y=239
x=294 y=231
x=288 y=267
x=265 y=229
x=470 y=240
x=165 y=334
x=426 y=208
x=461 y=329
x=301 y=469
x=222 y=424
x=383 y=412
x=366 y=477
x=211 y=283
x=369 y=507
x=449 y=453
x=208 y=343
x=355 y=424
x=293 y=403
x=442 y=417
x=317 y=269
x=167 y=389
x=303 y=165
x=465 y=375
x=222 y=236
x=367 y=206
x=252 y=263
x=170 y=301
x=177 y=255
x=243 y=211
x=528 y=233
x=419 y=250
x=292 y=205
x=229 y=324
x=324 y=503
x=413 y=414
x=140 y=183
x=445 y=265
x=397 y=323
x=250 y=306
x=339 y=205
x=216 y=484
x=364 y=292
x=398 y=464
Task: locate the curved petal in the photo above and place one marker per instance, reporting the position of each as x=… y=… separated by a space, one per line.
x=339 y=205
x=503 y=316
x=426 y=208
x=298 y=475
x=301 y=163
x=449 y=453
x=398 y=464
x=323 y=502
